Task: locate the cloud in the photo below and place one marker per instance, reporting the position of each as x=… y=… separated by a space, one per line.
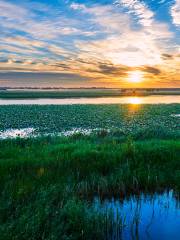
x=109 y=70
x=105 y=16
x=112 y=69
x=3 y=60
x=175 y=13
x=57 y=50
x=94 y=41
x=123 y=44
x=139 y=9
x=36 y=79
x=131 y=48
x=151 y=70
x=29 y=20
x=25 y=41
x=137 y=49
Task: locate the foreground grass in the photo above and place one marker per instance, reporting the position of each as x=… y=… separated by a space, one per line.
x=46 y=183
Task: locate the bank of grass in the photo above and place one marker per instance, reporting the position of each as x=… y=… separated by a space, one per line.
x=59 y=94
x=46 y=183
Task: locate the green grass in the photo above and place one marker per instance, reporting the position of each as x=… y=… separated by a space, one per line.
x=46 y=183
x=24 y=94
x=58 y=94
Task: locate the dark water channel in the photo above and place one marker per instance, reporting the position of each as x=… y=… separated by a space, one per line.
x=144 y=217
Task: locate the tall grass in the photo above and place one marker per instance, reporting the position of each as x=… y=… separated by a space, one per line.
x=46 y=183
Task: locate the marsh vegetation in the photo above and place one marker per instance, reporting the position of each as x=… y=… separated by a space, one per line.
x=50 y=184
x=47 y=184
x=138 y=121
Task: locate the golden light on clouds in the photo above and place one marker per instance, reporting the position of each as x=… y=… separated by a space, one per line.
x=120 y=44
x=135 y=77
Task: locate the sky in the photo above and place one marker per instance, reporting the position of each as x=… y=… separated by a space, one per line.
x=103 y=43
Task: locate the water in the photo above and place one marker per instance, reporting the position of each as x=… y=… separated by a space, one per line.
x=175 y=115
x=146 y=217
x=156 y=99
x=32 y=132
x=14 y=133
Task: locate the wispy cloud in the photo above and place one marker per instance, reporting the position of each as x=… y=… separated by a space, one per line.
x=175 y=12
x=126 y=46
x=139 y=9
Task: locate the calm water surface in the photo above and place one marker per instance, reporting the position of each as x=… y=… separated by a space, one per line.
x=153 y=217
x=102 y=100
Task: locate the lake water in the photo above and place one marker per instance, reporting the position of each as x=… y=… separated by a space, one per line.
x=14 y=133
x=32 y=132
x=154 y=216
x=156 y=99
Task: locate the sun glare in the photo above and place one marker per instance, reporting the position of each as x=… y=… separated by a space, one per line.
x=134 y=100
x=135 y=77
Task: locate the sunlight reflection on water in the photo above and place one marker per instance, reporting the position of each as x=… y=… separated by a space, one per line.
x=156 y=99
x=135 y=100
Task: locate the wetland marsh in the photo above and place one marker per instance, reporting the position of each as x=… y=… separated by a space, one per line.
x=77 y=171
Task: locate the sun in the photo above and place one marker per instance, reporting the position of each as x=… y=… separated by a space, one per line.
x=135 y=77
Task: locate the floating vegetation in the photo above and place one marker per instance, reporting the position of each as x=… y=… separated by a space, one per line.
x=81 y=131
x=146 y=121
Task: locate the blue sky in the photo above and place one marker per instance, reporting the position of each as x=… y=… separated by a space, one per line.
x=103 y=43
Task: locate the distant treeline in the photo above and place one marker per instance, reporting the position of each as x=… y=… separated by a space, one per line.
x=77 y=93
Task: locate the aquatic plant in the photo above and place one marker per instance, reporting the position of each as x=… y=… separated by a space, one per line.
x=117 y=121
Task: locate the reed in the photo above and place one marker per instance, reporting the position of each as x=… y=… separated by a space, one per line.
x=46 y=184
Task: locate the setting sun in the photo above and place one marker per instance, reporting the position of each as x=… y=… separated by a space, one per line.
x=135 y=77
